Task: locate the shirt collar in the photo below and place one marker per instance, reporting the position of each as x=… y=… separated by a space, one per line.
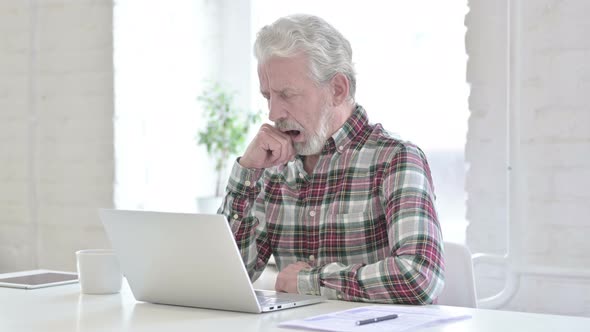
x=346 y=134
x=342 y=138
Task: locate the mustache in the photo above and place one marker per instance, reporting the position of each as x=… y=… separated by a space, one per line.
x=284 y=125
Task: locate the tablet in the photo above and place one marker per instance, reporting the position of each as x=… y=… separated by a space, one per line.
x=37 y=279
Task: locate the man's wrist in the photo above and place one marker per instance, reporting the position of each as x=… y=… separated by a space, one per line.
x=244 y=163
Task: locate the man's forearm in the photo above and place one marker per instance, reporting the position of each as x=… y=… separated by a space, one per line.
x=404 y=280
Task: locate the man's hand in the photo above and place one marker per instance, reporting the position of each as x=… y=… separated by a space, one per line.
x=269 y=148
x=287 y=278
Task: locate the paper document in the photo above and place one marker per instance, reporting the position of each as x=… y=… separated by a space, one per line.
x=408 y=317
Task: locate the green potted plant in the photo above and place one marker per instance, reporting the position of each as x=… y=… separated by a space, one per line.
x=224 y=135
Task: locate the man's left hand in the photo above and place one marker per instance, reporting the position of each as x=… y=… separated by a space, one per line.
x=287 y=278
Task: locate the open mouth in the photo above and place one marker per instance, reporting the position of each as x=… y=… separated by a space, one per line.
x=293 y=133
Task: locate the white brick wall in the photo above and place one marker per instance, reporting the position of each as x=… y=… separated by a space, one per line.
x=554 y=112
x=56 y=130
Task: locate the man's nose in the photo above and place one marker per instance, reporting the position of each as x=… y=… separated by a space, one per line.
x=276 y=110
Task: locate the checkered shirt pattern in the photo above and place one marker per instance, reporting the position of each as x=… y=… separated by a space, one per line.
x=364 y=220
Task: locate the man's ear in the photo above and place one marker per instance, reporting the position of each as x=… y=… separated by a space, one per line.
x=340 y=88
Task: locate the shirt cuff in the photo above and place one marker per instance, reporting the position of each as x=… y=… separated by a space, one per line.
x=242 y=181
x=308 y=281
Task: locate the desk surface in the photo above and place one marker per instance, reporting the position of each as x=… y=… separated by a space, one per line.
x=63 y=308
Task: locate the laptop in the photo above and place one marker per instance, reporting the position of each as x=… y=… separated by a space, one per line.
x=189 y=260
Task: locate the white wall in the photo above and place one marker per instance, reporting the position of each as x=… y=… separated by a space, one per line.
x=56 y=131
x=543 y=78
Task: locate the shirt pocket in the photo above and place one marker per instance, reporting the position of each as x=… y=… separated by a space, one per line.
x=354 y=238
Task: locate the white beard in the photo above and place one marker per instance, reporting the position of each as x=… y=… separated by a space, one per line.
x=315 y=143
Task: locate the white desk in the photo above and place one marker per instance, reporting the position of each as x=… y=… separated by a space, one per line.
x=63 y=308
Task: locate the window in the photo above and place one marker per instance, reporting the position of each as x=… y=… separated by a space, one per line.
x=163 y=52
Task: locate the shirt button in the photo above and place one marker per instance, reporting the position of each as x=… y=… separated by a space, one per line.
x=312 y=213
x=341 y=148
x=301 y=175
x=236 y=216
x=247 y=183
x=312 y=258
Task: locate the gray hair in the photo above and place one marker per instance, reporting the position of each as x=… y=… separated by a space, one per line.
x=328 y=51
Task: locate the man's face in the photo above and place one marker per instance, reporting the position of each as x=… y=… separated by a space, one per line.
x=297 y=105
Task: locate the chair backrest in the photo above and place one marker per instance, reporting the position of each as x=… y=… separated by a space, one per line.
x=459 y=287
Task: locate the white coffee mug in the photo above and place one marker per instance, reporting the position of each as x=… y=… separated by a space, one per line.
x=98 y=271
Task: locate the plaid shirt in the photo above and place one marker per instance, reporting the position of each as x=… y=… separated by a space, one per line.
x=364 y=220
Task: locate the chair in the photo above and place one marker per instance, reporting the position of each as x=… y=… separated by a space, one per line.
x=459 y=288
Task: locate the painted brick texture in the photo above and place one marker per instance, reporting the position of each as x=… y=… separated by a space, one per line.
x=56 y=130
x=554 y=110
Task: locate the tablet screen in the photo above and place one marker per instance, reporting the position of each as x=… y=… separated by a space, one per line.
x=39 y=279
